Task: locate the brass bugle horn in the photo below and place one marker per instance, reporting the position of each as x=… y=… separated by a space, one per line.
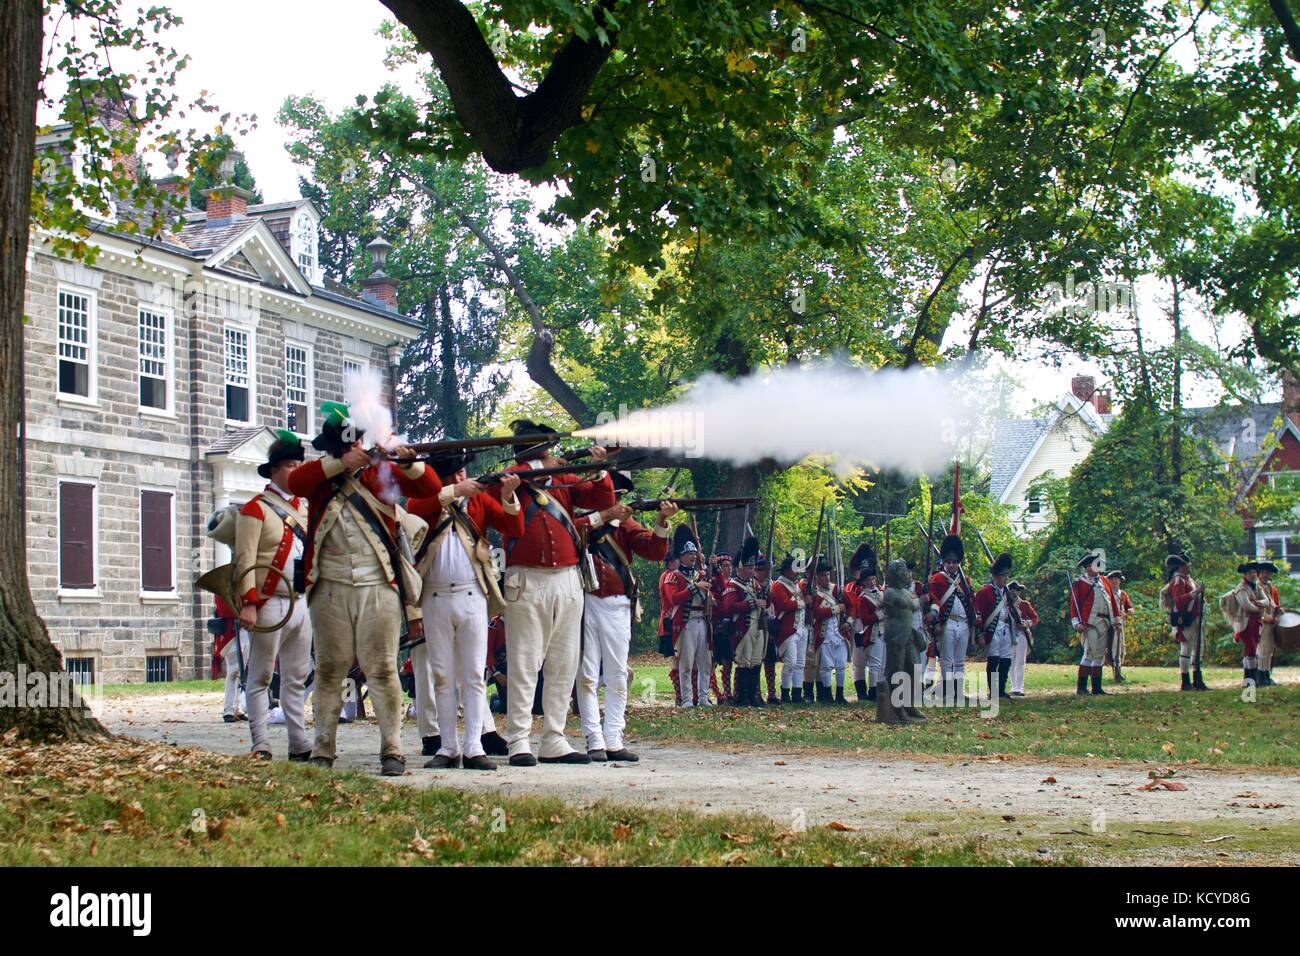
x=222 y=582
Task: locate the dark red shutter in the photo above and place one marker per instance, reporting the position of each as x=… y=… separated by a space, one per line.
x=76 y=535
x=156 y=540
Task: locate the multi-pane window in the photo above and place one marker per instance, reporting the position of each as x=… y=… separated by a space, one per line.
x=158 y=668
x=153 y=359
x=1284 y=548
x=75 y=352
x=76 y=536
x=156 y=541
x=305 y=245
x=238 y=375
x=297 y=388
x=351 y=368
x=80 y=669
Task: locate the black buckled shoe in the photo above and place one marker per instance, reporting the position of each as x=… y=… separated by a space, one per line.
x=622 y=756
x=392 y=766
x=478 y=762
x=442 y=762
x=229 y=718
x=300 y=757
x=571 y=757
x=494 y=745
x=523 y=760
x=598 y=756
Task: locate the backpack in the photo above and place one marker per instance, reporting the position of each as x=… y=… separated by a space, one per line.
x=1230 y=608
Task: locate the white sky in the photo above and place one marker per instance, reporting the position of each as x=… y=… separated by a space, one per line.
x=249 y=56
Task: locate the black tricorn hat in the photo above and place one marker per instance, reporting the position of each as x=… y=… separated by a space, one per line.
x=1175 y=561
x=447 y=465
x=282 y=449
x=1117 y=573
x=951 y=549
x=863 y=561
x=622 y=482
x=748 y=552
x=334 y=438
x=1016 y=586
x=522 y=426
x=1002 y=564
x=1247 y=566
x=1268 y=566
x=684 y=540
x=1089 y=559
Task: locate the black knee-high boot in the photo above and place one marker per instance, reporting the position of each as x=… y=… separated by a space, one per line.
x=860 y=688
x=1004 y=672
x=991 y=673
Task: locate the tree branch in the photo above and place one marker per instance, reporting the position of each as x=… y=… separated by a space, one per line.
x=512 y=132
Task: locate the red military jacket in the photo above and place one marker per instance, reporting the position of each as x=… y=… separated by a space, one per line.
x=986 y=602
x=678 y=597
x=496 y=645
x=1028 y=616
x=823 y=611
x=869 y=611
x=1084 y=591
x=939 y=585
x=545 y=542
x=718 y=585
x=632 y=538
x=1183 y=597
x=735 y=605
x=664 y=610
x=786 y=605
x=313 y=482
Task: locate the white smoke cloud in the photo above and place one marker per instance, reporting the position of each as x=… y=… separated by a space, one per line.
x=907 y=420
x=364 y=394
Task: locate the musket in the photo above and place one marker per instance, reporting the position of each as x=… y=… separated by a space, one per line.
x=987 y=553
x=689 y=504
x=528 y=474
x=887 y=548
x=423 y=450
x=771 y=532
x=929 y=540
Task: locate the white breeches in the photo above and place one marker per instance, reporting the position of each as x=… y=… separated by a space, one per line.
x=833 y=655
x=606 y=634
x=694 y=654
x=952 y=648
x=1019 y=653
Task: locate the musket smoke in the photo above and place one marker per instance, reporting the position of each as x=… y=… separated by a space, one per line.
x=364 y=394
x=903 y=419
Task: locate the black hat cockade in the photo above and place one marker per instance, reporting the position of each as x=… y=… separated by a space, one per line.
x=286 y=447
x=951 y=549
x=684 y=541
x=1002 y=564
x=863 y=562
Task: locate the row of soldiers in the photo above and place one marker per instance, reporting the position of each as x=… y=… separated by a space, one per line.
x=731 y=613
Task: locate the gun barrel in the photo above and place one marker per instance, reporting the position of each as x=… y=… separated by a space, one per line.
x=489 y=441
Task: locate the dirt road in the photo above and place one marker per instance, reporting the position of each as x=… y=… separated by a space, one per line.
x=805 y=788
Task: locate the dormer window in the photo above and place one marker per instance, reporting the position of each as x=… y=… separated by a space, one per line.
x=304 y=246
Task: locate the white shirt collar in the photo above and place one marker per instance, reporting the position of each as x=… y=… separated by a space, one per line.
x=280 y=491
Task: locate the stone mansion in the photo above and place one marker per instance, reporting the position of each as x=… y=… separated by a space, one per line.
x=153 y=380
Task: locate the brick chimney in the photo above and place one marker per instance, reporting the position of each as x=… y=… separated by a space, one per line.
x=379 y=287
x=114 y=113
x=1083 y=387
x=227 y=201
x=1101 y=401
x=1291 y=397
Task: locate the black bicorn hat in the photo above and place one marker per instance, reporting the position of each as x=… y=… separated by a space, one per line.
x=288 y=447
x=951 y=549
x=1002 y=564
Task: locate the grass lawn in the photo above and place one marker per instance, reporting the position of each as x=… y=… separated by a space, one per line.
x=130 y=803
x=1215 y=728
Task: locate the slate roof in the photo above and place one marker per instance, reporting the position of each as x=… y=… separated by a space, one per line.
x=1013 y=440
x=204 y=238
x=234 y=438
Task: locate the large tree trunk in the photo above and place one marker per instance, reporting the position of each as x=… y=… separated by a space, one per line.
x=24 y=641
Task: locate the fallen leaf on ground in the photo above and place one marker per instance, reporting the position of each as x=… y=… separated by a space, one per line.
x=842 y=827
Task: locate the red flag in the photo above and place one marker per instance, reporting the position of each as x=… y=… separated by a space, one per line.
x=954 y=526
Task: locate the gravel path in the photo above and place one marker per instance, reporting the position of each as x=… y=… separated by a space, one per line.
x=812 y=788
